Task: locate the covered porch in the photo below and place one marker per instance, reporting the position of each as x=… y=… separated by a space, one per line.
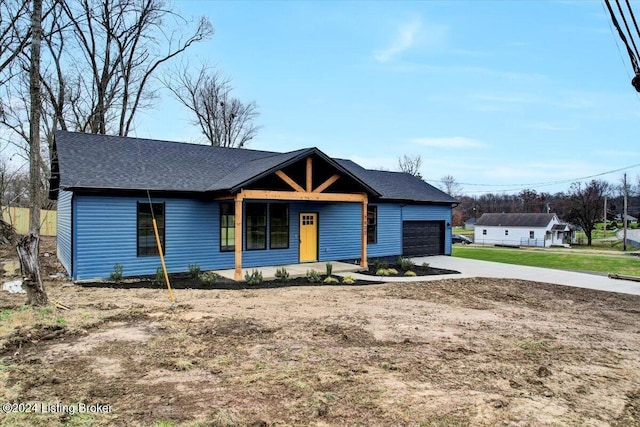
x=307 y=178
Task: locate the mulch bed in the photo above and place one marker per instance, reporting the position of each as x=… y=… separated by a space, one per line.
x=184 y=281
x=418 y=269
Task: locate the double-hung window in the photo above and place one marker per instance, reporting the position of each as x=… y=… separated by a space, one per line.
x=372 y=224
x=278 y=226
x=227 y=227
x=256 y=226
x=147 y=245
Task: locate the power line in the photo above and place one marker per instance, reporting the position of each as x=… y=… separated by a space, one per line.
x=523 y=186
x=626 y=25
x=633 y=17
x=630 y=52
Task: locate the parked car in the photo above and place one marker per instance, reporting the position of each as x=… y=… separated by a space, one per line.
x=457 y=238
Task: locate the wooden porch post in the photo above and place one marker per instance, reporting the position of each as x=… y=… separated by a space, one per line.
x=363 y=259
x=238 y=236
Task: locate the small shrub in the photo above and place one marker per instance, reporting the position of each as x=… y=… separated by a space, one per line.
x=377 y=264
x=255 y=278
x=382 y=272
x=159 y=279
x=410 y=273
x=391 y=272
x=330 y=280
x=425 y=265
x=117 y=273
x=405 y=263
x=348 y=280
x=282 y=274
x=194 y=271
x=329 y=267
x=209 y=277
x=313 y=276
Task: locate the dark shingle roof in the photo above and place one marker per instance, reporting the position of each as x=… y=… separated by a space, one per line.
x=90 y=161
x=398 y=185
x=113 y=162
x=515 y=219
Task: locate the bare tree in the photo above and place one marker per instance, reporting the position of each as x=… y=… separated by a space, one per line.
x=410 y=164
x=14 y=34
x=223 y=119
x=98 y=63
x=118 y=51
x=450 y=186
x=28 y=247
x=585 y=205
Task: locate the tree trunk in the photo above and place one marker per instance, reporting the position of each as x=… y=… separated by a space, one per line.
x=30 y=267
x=29 y=245
x=34 y=119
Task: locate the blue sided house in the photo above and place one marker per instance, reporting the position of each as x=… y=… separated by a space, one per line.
x=224 y=208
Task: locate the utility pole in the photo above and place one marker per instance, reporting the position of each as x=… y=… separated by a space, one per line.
x=624 y=214
x=604 y=228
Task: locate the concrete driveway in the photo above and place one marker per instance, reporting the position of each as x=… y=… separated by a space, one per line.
x=475 y=268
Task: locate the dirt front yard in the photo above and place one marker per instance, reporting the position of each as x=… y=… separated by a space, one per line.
x=444 y=353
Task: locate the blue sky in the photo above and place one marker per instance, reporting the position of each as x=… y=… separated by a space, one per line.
x=502 y=95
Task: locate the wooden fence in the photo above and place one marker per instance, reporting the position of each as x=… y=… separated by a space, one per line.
x=19 y=219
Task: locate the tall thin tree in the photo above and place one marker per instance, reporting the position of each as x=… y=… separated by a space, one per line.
x=28 y=247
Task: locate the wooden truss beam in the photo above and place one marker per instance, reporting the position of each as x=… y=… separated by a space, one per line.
x=326 y=184
x=295 y=195
x=286 y=178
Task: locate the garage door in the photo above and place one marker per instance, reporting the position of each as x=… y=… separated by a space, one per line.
x=422 y=238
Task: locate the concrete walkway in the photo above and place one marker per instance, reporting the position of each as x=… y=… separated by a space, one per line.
x=475 y=268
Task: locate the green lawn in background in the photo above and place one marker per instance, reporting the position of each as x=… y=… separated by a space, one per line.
x=576 y=261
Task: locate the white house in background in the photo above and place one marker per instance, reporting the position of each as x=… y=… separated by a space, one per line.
x=522 y=229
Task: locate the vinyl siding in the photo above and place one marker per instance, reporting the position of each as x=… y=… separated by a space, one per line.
x=63 y=230
x=106 y=234
x=340 y=231
x=430 y=213
x=389 y=231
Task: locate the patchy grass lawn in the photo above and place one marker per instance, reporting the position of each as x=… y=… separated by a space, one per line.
x=569 y=259
x=471 y=352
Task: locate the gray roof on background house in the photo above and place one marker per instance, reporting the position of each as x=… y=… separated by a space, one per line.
x=515 y=219
x=91 y=161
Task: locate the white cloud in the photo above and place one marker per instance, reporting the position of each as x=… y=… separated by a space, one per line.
x=405 y=38
x=449 y=142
